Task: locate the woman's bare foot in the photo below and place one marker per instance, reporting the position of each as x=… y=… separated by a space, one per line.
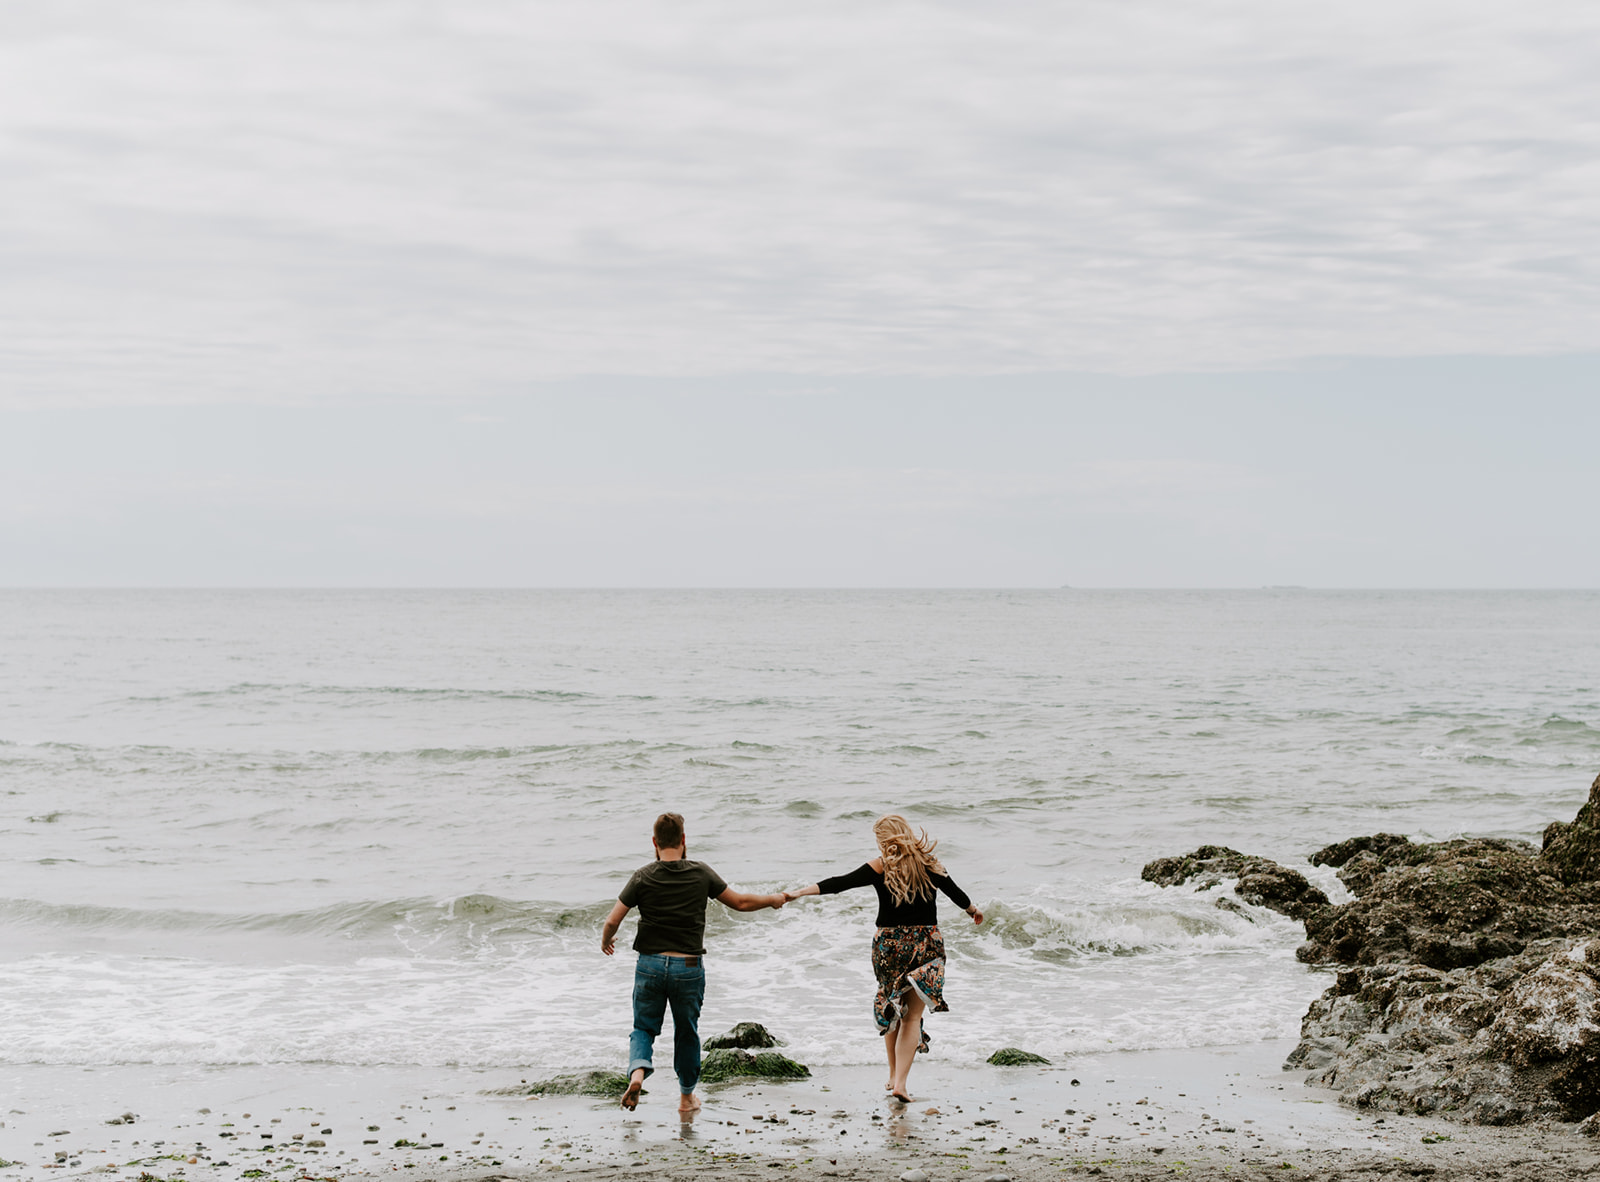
x=688 y=1106
x=903 y=1095
x=889 y=1087
x=630 y=1098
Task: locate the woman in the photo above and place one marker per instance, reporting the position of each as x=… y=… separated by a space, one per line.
x=908 y=951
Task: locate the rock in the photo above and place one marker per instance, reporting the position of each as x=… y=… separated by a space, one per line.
x=732 y=1064
x=1552 y=1011
x=1261 y=881
x=913 y=1175
x=580 y=1083
x=1448 y=905
x=1208 y=859
x=1572 y=849
x=1513 y=1039
x=744 y=1036
x=1014 y=1057
x=1340 y=852
x=1470 y=978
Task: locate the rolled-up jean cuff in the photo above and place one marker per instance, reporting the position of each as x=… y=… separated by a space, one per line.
x=635 y=1064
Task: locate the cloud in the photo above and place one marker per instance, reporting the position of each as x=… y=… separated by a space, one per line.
x=299 y=201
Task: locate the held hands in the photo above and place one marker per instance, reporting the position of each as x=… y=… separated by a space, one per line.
x=977 y=916
x=778 y=900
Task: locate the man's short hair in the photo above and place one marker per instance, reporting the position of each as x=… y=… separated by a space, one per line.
x=669 y=831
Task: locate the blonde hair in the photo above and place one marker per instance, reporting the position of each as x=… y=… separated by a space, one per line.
x=907 y=859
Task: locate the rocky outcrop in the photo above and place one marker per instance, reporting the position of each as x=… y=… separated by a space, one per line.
x=1515 y=1039
x=1470 y=978
x=1447 y=905
x=1572 y=850
x=1261 y=881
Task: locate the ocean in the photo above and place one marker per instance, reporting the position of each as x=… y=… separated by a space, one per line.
x=382 y=827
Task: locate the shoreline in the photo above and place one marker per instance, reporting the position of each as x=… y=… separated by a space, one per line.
x=1216 y=1111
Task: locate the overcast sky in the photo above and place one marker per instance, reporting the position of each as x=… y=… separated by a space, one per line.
x=1174 y=294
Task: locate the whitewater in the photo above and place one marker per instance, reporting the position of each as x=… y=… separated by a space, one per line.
x=382 y=827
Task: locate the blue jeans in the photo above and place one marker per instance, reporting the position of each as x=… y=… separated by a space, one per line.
x=660 y=981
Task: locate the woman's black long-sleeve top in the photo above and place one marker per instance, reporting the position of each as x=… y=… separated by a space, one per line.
x=913 y=912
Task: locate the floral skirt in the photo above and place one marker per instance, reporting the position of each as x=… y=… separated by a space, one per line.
x=906 y=959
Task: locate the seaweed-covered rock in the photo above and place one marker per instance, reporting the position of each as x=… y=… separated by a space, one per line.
x=1470 y=985
x=744 y=1036
x=732 y=1063
x=1447 y=905
x=577 y=1083
x=1341 y=852
x=1015 y=1057
x=1362 y=859
x=1261 y=881
x=1552 y=1011
x=1572 y=849
x=1212 y=862
x=1512 y=1040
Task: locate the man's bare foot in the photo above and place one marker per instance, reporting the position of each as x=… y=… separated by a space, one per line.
x=630 y=1098
x=688 y=1106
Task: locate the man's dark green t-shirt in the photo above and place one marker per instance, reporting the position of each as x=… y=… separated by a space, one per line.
x=671 y=898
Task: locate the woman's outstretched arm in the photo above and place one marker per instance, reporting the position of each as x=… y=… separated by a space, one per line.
x=861 y=876
x=957 y=896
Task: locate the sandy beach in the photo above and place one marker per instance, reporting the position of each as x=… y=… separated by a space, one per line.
x=1213 y=1112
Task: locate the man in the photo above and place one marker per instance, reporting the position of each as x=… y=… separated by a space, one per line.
x=671 y=895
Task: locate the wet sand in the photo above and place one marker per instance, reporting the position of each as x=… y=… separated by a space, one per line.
x=1215 y=1112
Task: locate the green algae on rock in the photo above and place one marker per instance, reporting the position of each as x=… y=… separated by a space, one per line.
x=1014 y=1057
x=745 y=1036
x=732 y=1063
x=577 y=1083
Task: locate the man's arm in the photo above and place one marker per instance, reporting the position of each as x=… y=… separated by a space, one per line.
x=740 y=901
x=608 y=934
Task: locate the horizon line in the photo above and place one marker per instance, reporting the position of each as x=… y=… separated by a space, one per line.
x=369 y=587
